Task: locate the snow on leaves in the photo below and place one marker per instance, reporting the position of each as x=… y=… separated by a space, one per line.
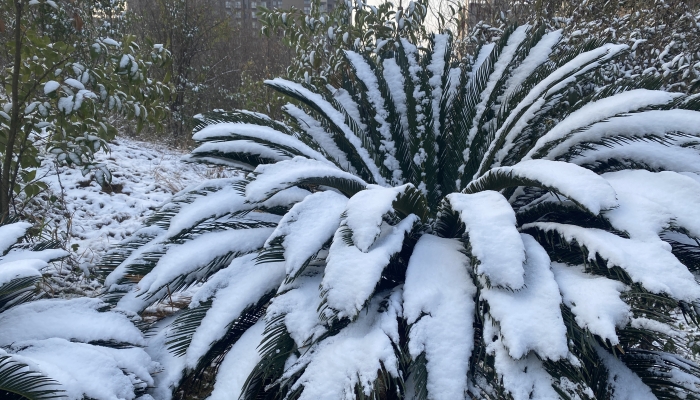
x=494 y=239
x=351 y=274
x=641 y=260
x=582 y=186
x=439 y=304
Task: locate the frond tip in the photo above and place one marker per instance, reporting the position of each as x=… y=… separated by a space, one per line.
x=17 y=378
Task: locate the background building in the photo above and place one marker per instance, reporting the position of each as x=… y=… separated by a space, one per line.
x=246 y=10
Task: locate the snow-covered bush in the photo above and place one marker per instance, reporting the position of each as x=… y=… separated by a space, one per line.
x=53 y=348
x=504 y=229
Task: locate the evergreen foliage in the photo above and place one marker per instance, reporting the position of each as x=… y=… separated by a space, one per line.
x=68 y=69
x=509 y=228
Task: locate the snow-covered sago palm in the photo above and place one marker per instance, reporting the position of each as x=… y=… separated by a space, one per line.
x=510 y=228
x=69 y=349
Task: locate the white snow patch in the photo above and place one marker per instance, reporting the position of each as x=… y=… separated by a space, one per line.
x=74 y=319
x=578 y=184
x=530 y=318
x=272 y=178
x=495 y=241
x=351 y=275
x=439 y=286
x=238 y=364
x=594 y=300
x=648 y=263
x=307 y=226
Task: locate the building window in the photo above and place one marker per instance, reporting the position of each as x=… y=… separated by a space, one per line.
x=252 y=14
x=238 y=14
x=228 y=4
x=253 y=4
x=238 y=4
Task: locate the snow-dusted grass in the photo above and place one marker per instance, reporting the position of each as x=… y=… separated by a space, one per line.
x=92 y=218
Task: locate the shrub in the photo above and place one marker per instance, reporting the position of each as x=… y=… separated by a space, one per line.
x=502 y=229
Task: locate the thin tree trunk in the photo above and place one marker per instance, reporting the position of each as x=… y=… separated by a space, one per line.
x=5 y=189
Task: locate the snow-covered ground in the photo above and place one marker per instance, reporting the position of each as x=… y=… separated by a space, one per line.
x=93 y=218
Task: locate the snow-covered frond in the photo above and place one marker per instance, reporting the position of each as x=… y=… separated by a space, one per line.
x=77 y=319
x=238 y=116
x=439 y=67
x=461 y=111
x=232 y=291
x=642 y=154
x=621 y=379
x=90 y=371
x=653 y=202
x=21 y=264
x=365 y=213
x=244 y=154
x=18 y=377
x=10 y=234
x=238 y=364
x=679 y=376
x=583 y=187
x=199 y=258
x=422 y=147
x=382 y=121
x=396 y=82
x=19 y=288
x=477 y=139
x=557 y=142
x=522 y=379
x=307 y=227
x=221 y=139
x=318 y=133
x=536 y=56
x=361 y=159
x=594 y=300
x=354 y=360
x=493 y=240
x=530 y=318
x=519 y=117
x=352 y=275
x=439 y=306
x=273 y=178
x=72 y=349
x=650 y=264
x=295 y=306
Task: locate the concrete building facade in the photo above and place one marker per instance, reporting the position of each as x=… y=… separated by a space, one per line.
x=246 y=10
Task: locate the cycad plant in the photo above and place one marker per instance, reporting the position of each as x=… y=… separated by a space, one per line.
x=61 y=348
x=511 y=227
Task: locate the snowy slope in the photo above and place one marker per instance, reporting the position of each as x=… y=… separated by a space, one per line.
x=145 y=175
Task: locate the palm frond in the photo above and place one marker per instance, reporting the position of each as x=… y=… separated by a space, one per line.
x=18 y=379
